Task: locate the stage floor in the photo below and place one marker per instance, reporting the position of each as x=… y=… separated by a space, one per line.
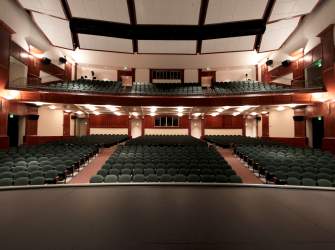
x=167 y=217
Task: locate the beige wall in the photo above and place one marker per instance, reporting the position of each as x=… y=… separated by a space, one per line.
x=223 y=131
x=250 y=127
x=142 y=75
x=100 y=74
x=109 y=131
x=165 y=131
x=236 y=74
x=196 y=128
x=136 y=128
x=281 y=123
x=191 y=75
x=72 y=125
x=50 y=122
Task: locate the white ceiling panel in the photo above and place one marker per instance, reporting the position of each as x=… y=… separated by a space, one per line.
x=56 y=30
x=228 y=44
x=168 y=11
x=106 y=10
x=105 y=43
x=276 y=33
x=222 y=11
x=49 y=7
x=167 y=47
x=290 y=8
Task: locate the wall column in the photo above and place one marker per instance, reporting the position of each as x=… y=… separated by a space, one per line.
x=66 y=124
x=202 y=124
x=5 y=38
x=129 y=127
x=265 y=125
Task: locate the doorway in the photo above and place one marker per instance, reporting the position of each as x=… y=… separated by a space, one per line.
x=317 y=131
x=13 y=130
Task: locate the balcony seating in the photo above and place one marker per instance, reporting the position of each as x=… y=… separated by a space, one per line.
x=166 y=89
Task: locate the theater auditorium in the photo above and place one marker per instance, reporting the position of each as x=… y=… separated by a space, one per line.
x=167 y=124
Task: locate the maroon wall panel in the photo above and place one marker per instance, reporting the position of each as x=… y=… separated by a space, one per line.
x=66 y=124
x=265 y=125
x=295 y=142
x=34 y=140
x=31 y=127
x=108 y=121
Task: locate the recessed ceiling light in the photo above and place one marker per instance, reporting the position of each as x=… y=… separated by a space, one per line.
x=264 y=112
x=196 y=114
x=280 y=108
x=153 y=109
x=111 y=108
x=90 y=107
x=79 y=112
x=152 y=114
x=180 y=109
x=67 y=111
x=96 y=113
x=180 y=114
x=214 y=113
x=38 y=103
x=52 y=107
x=117 y=113
x=236 y=113
x=253 y=113
x=220 y=110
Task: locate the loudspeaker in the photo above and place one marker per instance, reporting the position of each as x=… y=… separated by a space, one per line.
x=258 y=118
x=46 y=61
x=286 y=63
x=74 y=117
x=33 y=117
x=298 y=118
x=62 y=60
x=269 y=62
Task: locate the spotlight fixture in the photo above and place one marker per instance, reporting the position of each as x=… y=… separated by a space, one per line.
x=286 y=63
x=46 y=61
x=62 y=60
x=280 y=108
x=269 y=62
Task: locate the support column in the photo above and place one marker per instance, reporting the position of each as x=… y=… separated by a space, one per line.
x=66 y=124
x=5 y=38
x=129 y=127
x=189 y=126
x=265 y=125
x=202 y=119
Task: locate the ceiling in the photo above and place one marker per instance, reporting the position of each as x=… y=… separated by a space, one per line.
x=139 y=111
x=168 y=27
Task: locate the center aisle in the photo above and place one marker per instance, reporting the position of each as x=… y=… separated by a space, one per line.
x=93 y=167
x=247 y=176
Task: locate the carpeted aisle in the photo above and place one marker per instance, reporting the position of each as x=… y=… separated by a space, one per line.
x=93 y=167
x=247 y=176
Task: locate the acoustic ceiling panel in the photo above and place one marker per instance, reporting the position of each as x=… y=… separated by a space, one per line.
x=290 y=8
x=228 y=44
x=168 y=11
x=104 y=43
x=106 y=10
x=277 y=33
x=49 y=7
x=56 y=30
x=222 y=11
x=167 y=47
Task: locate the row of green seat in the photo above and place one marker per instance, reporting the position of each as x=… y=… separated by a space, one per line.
x=165 y=178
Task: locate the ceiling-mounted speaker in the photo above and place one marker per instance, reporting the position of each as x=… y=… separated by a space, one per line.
x=286 y=63
x=46 y=61
x=33 y=117
x=73 y=117
x=258 y=118
x=269 y=62
x=62 y=60
x=298 y=118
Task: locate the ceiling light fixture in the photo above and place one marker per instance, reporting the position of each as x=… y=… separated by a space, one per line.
x=264 y=112
x=196 y=114
x=153 y=109
x=180 y=109
x=79 y=112
x=236 y=113
x=180 y=114
x=215 y=114
x=52 y=107
x=253 y=113
x=117 y=113
x=111 y=108
x=96 y=113
x=280 y=108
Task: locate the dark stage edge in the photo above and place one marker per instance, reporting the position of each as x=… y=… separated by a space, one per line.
x=167 y=217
